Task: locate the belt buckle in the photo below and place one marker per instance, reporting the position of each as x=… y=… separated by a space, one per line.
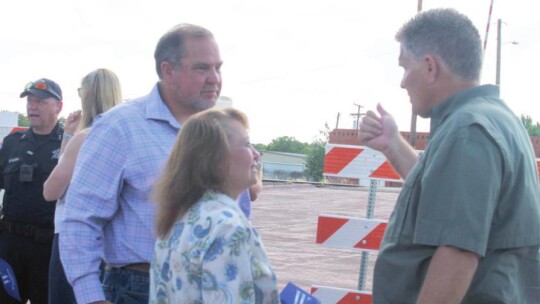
x=141 y=267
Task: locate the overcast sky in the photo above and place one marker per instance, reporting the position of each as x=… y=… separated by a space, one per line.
x=291 y=65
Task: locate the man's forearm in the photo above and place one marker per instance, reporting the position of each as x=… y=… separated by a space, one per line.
x=449 y=276
x=401 y=155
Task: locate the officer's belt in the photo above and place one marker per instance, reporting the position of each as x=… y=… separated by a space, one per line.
x=27 y=230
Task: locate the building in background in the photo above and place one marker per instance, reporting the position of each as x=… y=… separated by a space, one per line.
x=9 y=122
x=224 y=102
x=283 y=165
x=9 y=119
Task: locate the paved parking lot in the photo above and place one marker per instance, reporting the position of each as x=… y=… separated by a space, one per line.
x=286 y=218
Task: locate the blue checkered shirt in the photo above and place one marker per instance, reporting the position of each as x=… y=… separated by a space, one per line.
x=108 y=211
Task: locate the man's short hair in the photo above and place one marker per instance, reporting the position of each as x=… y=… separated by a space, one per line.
x=171 y=46
x=448 y=35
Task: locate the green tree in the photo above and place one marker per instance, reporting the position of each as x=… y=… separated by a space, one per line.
x=287 y=144
x=532 y=129
x=315 y=162
x=315 y=156
x=23 y=121
x=260 y=147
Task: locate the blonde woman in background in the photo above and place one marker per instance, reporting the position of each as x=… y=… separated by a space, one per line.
x=207 y=251
x=100 y=91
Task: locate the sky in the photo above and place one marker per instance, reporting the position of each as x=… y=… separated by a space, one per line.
x=291 y=65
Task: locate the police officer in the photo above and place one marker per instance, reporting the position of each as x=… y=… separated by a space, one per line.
x=26 y=160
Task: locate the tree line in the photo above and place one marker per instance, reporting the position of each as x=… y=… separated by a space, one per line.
x=314 y=151
x=532 y=128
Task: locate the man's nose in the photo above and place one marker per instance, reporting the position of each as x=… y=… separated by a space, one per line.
x=256 y=154
x=214 y=76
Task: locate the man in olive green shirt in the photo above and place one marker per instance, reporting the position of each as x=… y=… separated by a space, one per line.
x=466 y=226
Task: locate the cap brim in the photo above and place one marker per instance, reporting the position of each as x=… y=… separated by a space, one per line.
x=38 y=93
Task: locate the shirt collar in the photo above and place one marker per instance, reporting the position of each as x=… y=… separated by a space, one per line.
x=441 y=111
x=157 y=109
x=56 y=133
x=223 y=198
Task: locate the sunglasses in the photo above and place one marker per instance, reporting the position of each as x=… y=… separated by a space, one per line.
x=41 y=85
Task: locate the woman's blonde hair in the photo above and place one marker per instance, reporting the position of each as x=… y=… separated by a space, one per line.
x=100 y=91
x=198 y=163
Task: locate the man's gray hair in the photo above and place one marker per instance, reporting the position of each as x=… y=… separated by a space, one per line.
x=448 y=35
x=171 y=46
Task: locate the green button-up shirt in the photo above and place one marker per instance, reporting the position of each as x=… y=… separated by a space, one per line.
x=476 y=188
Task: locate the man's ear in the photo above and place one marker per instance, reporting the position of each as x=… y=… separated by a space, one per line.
x=166 y=68
x=59 y=105
x=432 y=67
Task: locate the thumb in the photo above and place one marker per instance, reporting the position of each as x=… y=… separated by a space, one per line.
x=381 y=110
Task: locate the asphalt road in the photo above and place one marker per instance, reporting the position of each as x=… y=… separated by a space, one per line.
x=286 y=218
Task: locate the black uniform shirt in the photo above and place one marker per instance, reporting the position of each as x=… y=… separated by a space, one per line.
x=23 y=200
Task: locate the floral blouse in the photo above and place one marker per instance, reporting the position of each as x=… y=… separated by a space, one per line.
x=212 y=255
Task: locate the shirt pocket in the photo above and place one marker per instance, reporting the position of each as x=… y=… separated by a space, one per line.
x=11 y=171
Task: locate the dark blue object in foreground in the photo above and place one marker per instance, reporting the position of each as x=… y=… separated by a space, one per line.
x=8 y=280
x=293 y=294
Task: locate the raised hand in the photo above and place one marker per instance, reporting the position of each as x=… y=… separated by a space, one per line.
x=378 y=131
x=70 y=126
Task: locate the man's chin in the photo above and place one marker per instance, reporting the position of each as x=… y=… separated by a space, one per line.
x=424 y=113
x=421 y=112
x=204 y=105
x=34 y=122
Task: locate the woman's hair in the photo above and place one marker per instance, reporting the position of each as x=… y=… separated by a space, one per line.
x=100 y=91
x=198 y=163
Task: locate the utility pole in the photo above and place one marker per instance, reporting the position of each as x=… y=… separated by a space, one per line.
x=337 y=120
x=412 y=137
x=499 y=43
x=499 y=51
x=357 y=115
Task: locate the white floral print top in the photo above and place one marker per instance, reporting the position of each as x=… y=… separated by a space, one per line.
x=212 y=255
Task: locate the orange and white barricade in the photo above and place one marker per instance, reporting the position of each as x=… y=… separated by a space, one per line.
x=362 y=234
x=340 y=295
x=350 y=233
x=357 y=162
